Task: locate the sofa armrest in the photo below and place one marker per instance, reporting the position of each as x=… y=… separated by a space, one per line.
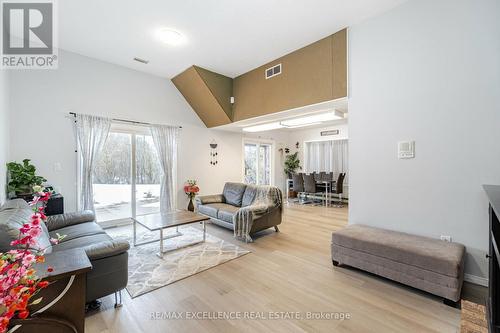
x=208 y=199
x=59 y=221
x=106 y=249
x=256 y=211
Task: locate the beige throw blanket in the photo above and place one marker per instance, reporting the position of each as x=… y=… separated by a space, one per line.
x=267 y=197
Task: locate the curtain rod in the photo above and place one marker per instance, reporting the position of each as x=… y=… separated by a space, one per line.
x=125 y=121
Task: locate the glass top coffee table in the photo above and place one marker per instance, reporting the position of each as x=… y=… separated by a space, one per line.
x=160 y=222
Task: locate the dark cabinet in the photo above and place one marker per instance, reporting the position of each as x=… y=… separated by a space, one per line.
x=493 y=309
x=55 y=205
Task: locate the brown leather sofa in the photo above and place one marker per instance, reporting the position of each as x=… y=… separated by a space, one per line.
x=223 y=208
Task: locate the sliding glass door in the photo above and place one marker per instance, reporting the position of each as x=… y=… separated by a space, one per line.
x=147 y=176
x=258 y=166
x=127 y=178
x=113 y=179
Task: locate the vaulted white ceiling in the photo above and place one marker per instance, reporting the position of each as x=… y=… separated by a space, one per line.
x=230 y=37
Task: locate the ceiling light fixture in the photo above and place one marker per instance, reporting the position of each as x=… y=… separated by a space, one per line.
x=263 y=127
x=303 y=125
x=314 y=119
x=170 y=37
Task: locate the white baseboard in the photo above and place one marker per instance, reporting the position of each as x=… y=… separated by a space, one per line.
x=476 y=280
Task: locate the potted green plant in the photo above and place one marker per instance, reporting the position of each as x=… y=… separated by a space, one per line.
x=22 y=178
x=292 y=164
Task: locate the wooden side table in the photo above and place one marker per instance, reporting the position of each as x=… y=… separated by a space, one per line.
x=62 y=308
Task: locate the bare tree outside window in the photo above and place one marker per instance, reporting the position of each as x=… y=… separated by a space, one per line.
x=257 y=157
x=113 y=177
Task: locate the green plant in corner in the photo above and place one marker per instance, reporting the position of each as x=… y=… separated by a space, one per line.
x=292 y=163
x=22 y=178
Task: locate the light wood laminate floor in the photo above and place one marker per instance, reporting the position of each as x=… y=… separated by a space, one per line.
x=289 y=271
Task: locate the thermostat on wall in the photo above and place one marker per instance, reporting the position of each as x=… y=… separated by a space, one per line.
x=406 y=149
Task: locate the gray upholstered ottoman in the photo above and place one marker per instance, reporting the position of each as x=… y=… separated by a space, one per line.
x=425 y=263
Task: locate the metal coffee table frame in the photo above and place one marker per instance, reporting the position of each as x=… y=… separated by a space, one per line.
x=163 y=237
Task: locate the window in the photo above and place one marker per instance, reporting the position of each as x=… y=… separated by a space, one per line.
x=258 y=166
x=127 y=176
x=328 y=156
x=148 y=175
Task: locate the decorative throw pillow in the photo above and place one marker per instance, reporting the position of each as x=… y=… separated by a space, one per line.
x=15 y=204
x=11 y=220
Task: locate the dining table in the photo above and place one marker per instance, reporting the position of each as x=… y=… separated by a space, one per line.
x=326 y=185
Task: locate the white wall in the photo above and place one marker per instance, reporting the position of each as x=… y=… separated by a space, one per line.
x=42 y=99
x=427 y=71
x=4 y=131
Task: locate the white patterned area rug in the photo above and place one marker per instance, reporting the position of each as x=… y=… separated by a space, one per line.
x=148 y=272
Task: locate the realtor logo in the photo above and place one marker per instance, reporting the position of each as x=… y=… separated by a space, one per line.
x=28 y=35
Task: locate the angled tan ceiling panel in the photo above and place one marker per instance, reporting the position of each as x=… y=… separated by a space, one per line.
x=221 y=87
x=208 y=94
x=306 y=79
x=313 y=74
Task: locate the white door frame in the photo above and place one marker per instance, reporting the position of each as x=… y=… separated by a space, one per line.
x=133 y=131
x=258 y=142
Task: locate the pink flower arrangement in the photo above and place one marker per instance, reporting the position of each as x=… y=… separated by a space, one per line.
x=18 y=280
x=191 y=189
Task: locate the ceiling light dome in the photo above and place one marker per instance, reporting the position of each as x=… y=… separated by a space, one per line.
x=170 y=37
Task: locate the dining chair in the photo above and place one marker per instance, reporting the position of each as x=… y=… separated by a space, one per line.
x=322 y=175
x=317 y=176
x=339 y=189
x=320 y=185
x=298 y=184
x=327 y=176
x=310 y=187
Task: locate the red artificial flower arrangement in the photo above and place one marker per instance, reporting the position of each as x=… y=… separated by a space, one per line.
x=18 y=280
x=191 y=189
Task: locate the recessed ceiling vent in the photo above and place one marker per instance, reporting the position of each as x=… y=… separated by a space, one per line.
x=273 y=71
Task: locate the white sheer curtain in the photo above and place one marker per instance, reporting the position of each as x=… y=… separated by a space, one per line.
x=91 y=134
x=165 y=139
x=328 y=156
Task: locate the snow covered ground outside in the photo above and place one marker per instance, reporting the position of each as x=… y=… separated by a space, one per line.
x=113 y=201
